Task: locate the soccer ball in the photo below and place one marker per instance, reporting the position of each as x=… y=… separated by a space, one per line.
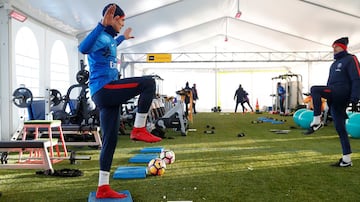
x=156 y=167
x=168 y=156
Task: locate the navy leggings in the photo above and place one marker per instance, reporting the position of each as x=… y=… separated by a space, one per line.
x=337 y=101
x=109 y=100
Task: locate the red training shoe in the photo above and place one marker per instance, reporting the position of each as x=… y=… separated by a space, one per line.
x=141 y=134
x=104 y=191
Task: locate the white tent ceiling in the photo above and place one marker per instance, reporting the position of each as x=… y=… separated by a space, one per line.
x=202 y=25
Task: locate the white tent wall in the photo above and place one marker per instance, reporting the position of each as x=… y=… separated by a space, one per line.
x=176 y=79
x=280 y=25
x=217 y=82
x=257 y=83
x=217 y=88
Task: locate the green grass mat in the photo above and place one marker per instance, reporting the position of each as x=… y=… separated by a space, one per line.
x=260 y=166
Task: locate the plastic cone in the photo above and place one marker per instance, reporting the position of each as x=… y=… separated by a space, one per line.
x=257 y=110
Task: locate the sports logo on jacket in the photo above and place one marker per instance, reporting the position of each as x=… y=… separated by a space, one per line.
x=338 y=67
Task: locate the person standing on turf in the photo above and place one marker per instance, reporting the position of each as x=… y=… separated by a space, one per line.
x=281 y=93
x=343 y=87
x=108 y=91
x=195 y=97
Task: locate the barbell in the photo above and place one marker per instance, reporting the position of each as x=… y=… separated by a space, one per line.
x=23 y=98
x=82 y=76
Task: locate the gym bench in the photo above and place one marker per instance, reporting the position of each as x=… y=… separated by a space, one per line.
x=49 y=124
x=29 y=145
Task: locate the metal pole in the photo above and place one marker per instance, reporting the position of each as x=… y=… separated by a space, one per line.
x=6 y=109
x=48 y=115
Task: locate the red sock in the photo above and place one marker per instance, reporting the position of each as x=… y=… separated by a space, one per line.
x=104 y=191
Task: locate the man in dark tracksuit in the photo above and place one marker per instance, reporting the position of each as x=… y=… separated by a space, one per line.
x=343 y=87
x=195 y=97
x=108 y=91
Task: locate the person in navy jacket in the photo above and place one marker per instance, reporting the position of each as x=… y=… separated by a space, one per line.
x=108 y=91
x=343 y=88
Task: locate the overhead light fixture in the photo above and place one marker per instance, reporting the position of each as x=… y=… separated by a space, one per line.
x=238 y=13
x=17 y=16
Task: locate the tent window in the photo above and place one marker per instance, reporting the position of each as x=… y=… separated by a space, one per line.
x=59 y=65
x=27 y=60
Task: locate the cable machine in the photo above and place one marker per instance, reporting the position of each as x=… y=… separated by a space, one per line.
x=293 y=97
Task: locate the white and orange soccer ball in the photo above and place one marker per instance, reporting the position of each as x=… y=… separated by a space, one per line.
x=156 y=167
x=168 y=156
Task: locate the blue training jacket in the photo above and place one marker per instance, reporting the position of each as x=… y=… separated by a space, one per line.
x=345 y=74
x=101 y=49
x=281 y=91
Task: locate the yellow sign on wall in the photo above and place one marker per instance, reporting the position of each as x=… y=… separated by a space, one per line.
x=158 y=57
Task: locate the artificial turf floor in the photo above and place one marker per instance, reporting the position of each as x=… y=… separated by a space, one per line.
x=219 y=166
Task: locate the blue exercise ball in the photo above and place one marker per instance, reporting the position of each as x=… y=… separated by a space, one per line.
x=297 y=114
x=349 y=113
x=354 y=118
x=353 y=125
x=306 y=118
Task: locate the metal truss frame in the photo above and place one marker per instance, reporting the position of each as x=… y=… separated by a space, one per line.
x=203 y=57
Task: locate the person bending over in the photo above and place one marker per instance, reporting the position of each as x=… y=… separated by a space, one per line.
x=241 y=97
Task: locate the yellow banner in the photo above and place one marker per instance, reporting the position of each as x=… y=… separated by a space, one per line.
x=158 y=57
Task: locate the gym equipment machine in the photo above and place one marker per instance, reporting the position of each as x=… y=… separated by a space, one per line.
x=79 y=110
x=23 y=98
x=174 y=118
x=79 y=122
x=293 y=86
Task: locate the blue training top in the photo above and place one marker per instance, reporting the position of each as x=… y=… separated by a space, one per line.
x=281 y=91
x=101 y=49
